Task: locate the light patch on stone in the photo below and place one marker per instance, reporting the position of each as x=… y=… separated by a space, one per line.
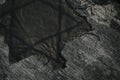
x=89 y=40
x=102 y=14
x=2 y=1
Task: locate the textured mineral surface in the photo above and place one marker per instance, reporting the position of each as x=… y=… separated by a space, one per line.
x=89 y=54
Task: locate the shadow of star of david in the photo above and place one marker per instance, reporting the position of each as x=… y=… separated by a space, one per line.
x=29 y=47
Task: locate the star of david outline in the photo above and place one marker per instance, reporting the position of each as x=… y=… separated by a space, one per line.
x=31 y=47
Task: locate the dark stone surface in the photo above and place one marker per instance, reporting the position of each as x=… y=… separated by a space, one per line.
x=89 y=57
x=4 y=63
x=39 y=20
x=92 y=55
x=101 y=2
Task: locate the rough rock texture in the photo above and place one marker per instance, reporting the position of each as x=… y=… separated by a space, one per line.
x=94 y=55
x=102 y=14
x=4 y=62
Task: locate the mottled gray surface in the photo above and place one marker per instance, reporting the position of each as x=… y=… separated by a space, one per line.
x=93 y=56
x=89 y=57
x=101 y=14
x=4 y=62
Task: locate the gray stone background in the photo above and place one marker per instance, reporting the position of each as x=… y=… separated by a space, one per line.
x=94 y=55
